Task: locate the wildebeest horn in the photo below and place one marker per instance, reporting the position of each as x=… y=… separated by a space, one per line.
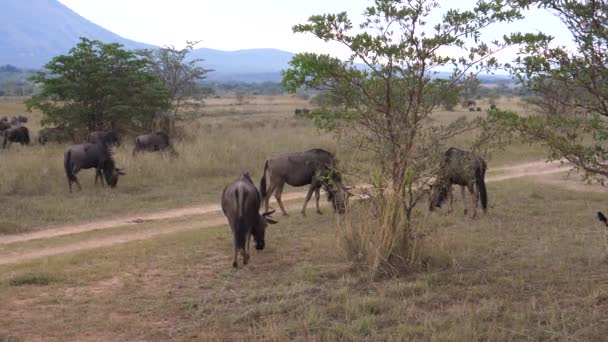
x=271 y=221
x=120 y=171
x=268 y=213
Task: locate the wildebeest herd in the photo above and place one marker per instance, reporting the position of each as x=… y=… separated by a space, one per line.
x=241 y=201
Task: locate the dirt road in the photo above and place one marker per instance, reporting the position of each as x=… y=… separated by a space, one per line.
x=514 y=171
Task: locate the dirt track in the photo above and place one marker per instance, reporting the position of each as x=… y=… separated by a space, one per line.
x=509 y=172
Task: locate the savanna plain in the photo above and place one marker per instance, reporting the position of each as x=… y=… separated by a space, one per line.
x=151 y=259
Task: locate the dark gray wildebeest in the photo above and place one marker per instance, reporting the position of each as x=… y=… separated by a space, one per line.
x=109 y=138
x=465 y=169
x=241 y=204
x=4 y=125
x=87 y=156
x=157 y=141
x=18 y=120
x=315 y=167
x=19 y=134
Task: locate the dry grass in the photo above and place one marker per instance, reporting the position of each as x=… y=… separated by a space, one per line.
x=532 y=269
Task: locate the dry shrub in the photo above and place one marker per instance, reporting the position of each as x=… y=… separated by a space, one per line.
x=377 y=237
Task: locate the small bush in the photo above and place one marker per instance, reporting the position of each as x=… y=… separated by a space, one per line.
x=40 y=279
x=377 y=237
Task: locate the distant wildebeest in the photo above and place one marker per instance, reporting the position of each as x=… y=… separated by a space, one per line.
x=602 y=218
x=471 y=109
x=4 y=119
x=479 y=109
x=53 y=134
x=241 y=204
x=4 y=125
x=109 y=138
x=461 y=168
x=18 y=134
x=316 y=167
x=492 y=106
x=18 y=120
x=157 y=141
x=300 y=112
x=471 y=103
x=86 y=156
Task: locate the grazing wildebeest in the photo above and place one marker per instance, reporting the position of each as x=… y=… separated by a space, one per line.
x=157 y=141
x=4 y=125
x=479 y=109
x=471 y=103
x=19 y=134
x=109 y=138
x=465 y=169
x=316 y=167
x=86 y=156
x=471 y=109
x=18 y=120
x=492 y=106
x=241 y=204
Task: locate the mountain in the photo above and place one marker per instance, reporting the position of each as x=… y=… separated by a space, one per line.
x=34 y=31
x=253 y=65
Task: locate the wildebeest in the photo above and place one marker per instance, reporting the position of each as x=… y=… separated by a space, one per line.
x=471 y=103
x=471 y=109
x=602 y=218
x=492 y=106
x=465 y=169
x=109 y=138
x=157 y=141
x=4 y=125
x=19 y=134
x=316 y=167
x=18 y=120
x=86 y=156
x=241 y=204
x=300 y=112
x=479 y=109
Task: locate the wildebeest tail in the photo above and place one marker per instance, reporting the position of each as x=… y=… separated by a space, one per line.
x=480 y=174
x=26 y=135
x=67 y=164
x=263 y=181
x=240 y=234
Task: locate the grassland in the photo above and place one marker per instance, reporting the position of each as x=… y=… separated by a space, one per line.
x=228 y=137
x=532 y=269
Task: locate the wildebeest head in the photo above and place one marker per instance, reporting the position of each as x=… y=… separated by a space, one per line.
x=111 y=139
x=338 y=195
x=438 y=195
x=259 y=232
x=111 y=173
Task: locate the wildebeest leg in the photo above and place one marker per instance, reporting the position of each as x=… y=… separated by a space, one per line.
x=317 y=197
x=308 y=196
x=464 y=202
x=277 y=195
x=98 y=174
x=473 y=199
x=236 y=253
x=244 y=250
x=271 y=188
x=450 y=199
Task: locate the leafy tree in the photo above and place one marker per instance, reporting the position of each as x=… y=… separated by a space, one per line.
x=99 y=86
x=567 y=83
x=386 y=106
x=470 y=87
x=178 y=74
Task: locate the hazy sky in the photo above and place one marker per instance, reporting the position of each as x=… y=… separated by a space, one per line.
x=245 y=24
